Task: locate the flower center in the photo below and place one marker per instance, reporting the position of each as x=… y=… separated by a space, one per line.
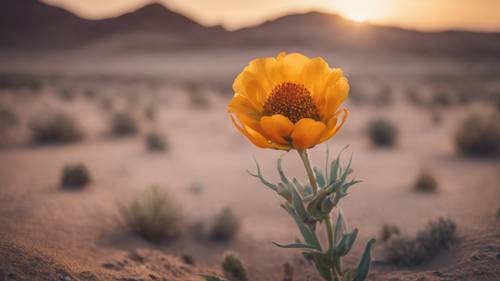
x=291 y=100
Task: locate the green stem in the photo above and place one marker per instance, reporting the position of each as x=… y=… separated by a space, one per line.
x=307 y=164
x=314 y=184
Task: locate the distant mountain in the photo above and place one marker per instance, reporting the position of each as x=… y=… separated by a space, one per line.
x=332 y=31
x=29 y=24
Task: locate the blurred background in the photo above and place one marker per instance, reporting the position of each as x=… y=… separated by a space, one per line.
x=118 y=160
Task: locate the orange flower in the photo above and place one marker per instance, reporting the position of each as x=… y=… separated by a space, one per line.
x=289 y=102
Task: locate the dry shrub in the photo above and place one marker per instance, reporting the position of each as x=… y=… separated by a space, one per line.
x=123 y=123
x=55 y=127
x=384 y=97
x=155 y=216
x=388 y=231
x=8 y=118
x=75 y=176
x=225 y=226
x=426 y=182
x=437 y=236
x=155 y=141
x=66 y=94
x=382 y=132
x=233 y=267
x=150 y=112
x=441 y=98
x=479 y=135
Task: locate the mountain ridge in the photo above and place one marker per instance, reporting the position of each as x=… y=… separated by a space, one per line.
x=29 y=24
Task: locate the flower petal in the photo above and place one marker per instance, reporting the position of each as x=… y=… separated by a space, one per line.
x=256 y=138
x=333 y=125
x=242 y=105
x=307 y=133
x=287 y=68
x=277 y=128
x=335 y=95
x=314 y=75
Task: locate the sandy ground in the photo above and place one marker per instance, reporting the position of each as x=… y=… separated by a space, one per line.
x=78 y=235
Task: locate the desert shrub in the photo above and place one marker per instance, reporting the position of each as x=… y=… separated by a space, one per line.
x=155 y=141
x=478 y=135
x=196 y=188
x=388 y=231
x=441 y=98
x=66 y=94
x=288 y=272
x=426 y=182
x=437 y=236
x=150 y=112
x=75 y=176
x=414 y=97
x=55 y=127
x=106 y=103
x=154 y=215
x=197 y=98
x=384 y=96
x=8 y=118
x=90 y=93
x=123 y=123
x=188 y=259
x=226 y=225
x=436 y=118
x=233 y=267
x=382 y=132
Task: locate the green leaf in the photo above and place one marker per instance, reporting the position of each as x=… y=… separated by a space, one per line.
x=283 y=177
x=340 y=227
x=297 y=204
x=345 y=244
x=320 y=178
x=364 y=263
x=308 y=234
x=211 y=278
x=262 y=179
x=322 y=264
x=284 y=192
x=295 y=246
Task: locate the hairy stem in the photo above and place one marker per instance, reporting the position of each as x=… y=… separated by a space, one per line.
x=307 y=164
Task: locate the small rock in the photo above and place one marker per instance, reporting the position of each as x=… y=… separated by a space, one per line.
x=187 y=259
x=437 y=273
x=135 y=256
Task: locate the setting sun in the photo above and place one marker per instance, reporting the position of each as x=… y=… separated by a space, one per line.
x=356 y=18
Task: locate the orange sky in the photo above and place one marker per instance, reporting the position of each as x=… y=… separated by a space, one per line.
x=483 y=15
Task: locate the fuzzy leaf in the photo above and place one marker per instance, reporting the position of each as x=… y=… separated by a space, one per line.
x=283 y=177
x=364 y=263
x=262 y=179
x=345 y=244
x=322 y=264
x=308 y=234
x=295 y=246
x=320 y=178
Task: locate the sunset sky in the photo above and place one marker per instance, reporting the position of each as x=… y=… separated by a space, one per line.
x=483 y=15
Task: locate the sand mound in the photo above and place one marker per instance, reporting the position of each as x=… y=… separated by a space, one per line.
x=19 y=262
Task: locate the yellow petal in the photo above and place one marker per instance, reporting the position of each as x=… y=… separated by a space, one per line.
x=333 y=125
x=257 y=138
x=277 y=128
x=252 y=135
x=319 y=95
x=242 y=105
x=307 y=133
x=335 y=95
x=287 y=68
x=314 y=75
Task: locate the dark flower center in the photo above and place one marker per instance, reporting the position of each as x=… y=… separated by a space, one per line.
x=291 y=100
